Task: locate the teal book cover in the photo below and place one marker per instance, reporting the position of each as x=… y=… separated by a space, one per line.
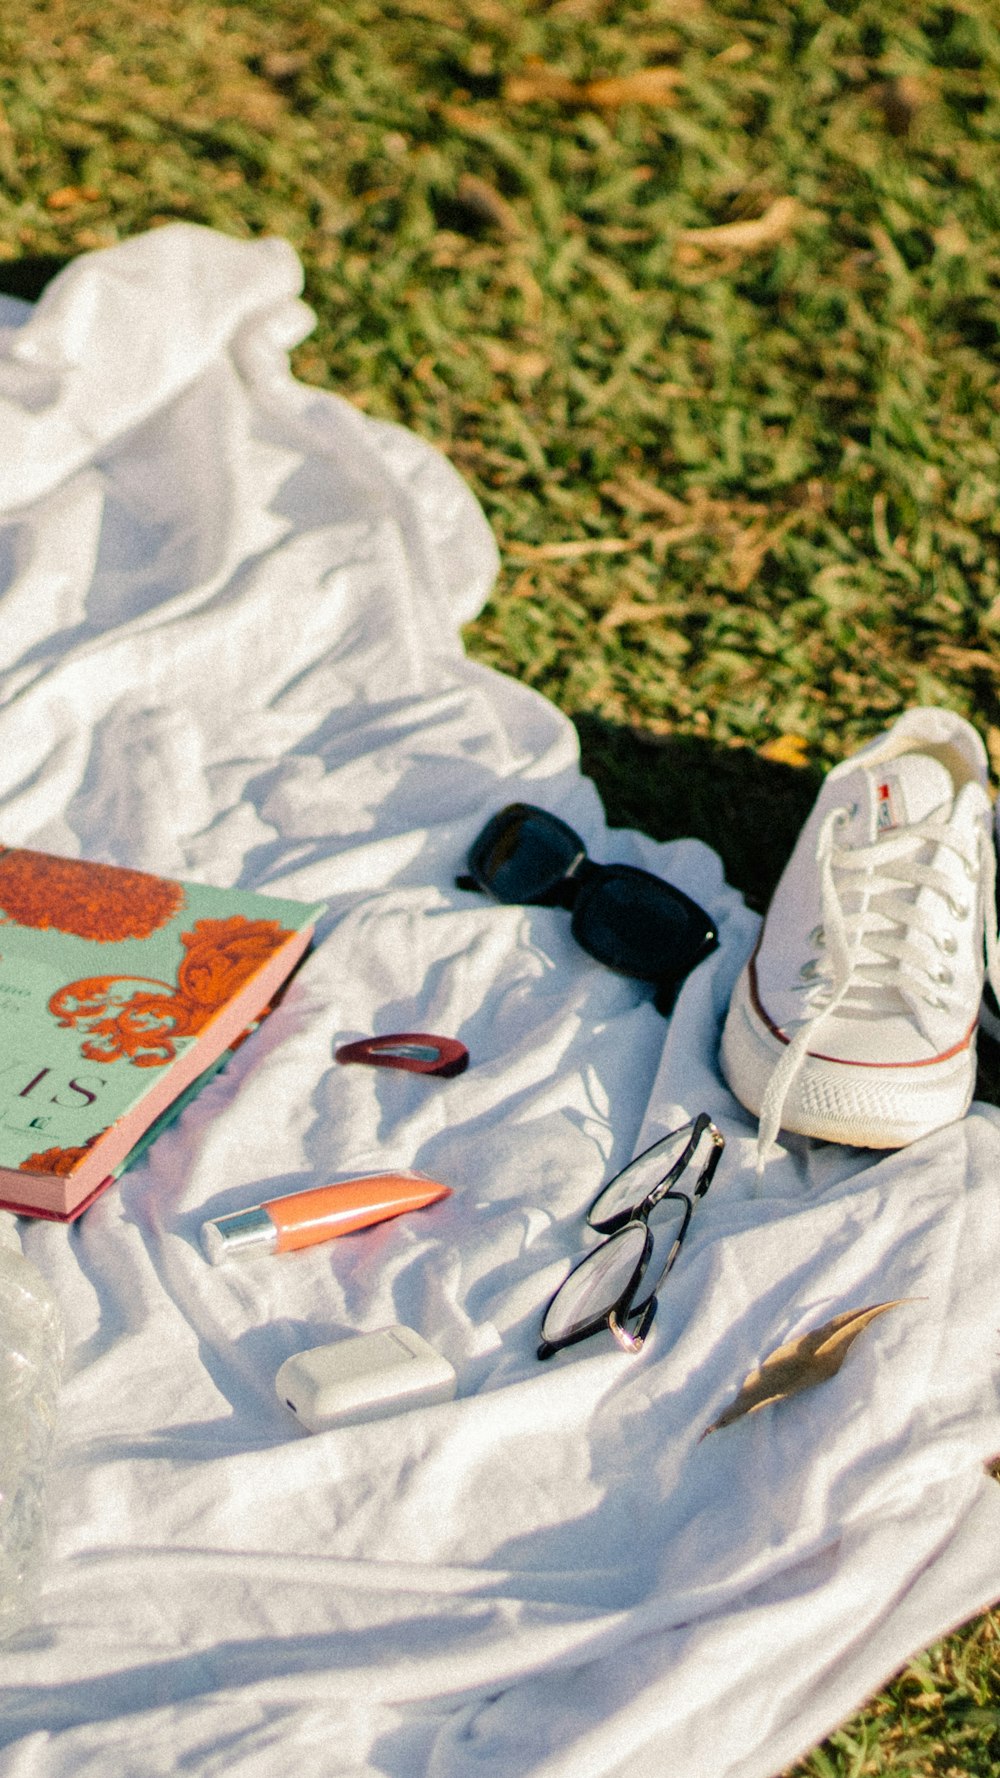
x=119 y=991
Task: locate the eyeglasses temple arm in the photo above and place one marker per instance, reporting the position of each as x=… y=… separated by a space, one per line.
x=708 y=1170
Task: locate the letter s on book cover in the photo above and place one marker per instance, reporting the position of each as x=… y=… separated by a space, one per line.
x=118 y=991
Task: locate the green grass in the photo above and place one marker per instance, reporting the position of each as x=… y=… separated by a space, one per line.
x=748 y=498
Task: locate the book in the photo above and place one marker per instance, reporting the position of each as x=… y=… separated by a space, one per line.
x=120 y=994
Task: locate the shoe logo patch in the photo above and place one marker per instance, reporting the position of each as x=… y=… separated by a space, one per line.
x=886 y=813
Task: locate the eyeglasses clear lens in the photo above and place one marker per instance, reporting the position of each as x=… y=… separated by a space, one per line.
x=523 y=853
x=597 y=1284
x=666 y=1225
x=633 y=1184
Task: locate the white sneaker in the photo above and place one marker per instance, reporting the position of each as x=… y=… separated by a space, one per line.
x=855 y=1019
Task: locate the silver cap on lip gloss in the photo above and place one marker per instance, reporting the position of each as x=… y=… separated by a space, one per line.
x=240 y=1236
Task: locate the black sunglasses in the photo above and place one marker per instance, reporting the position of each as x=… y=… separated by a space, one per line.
x=625 y=917
x=604 y=1289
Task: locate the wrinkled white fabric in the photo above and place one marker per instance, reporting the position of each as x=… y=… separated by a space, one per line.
x=229 y=641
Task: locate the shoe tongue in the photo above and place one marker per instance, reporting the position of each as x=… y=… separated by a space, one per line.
x=907 y=790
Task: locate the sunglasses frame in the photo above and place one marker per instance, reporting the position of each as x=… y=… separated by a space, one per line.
x=617 y=1316
x=575 y=889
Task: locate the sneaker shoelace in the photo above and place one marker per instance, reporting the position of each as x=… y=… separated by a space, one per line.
x=870 y=961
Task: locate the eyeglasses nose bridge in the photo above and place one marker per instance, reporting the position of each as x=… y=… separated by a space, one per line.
x=632 y=1340
x=578 y=874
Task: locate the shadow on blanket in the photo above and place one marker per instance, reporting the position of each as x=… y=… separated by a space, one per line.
x=748 y=809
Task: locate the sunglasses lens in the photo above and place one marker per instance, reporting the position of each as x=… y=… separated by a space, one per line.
x=633 y=1184
x=641 y=926
x=596 y=1285
x=523 y=854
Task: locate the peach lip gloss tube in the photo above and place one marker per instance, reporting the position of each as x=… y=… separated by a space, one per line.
x=321 y=1214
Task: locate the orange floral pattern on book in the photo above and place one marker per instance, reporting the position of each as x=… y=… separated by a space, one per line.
x=59 y=1161
x=142 y=1019
x=97 y=901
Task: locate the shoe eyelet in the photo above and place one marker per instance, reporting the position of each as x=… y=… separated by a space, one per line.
x=947 y=943
x=817 y=936
x=971 y=869
x=944 y=976
x=959 y=910
x=810 y=970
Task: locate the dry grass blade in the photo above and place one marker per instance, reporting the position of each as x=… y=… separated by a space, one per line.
x=573 y=548
x=646 y=86
x=537 y=83
x=801 y=1364
x=777 y=221
x=634 y=494
x=966 y=660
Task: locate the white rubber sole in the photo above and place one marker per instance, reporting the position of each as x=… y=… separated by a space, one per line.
x=848 y=1102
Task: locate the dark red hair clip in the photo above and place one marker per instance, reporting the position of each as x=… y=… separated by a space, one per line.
x=416 y=1051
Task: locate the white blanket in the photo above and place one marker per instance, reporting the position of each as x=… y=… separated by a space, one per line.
x=229 y=642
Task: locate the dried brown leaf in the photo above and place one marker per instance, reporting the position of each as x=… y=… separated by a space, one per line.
x=68 y=196
x=777 y=221
x=787 y=750
x=800 y=1364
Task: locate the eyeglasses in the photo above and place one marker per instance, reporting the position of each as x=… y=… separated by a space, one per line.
x=627 y=918
x=604 y=1289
